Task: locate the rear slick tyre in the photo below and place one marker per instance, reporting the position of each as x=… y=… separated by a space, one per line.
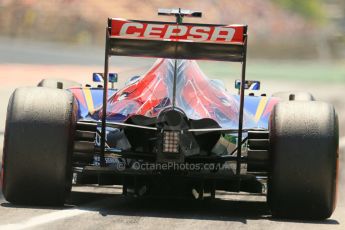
x=38 y=145
x=304 y=140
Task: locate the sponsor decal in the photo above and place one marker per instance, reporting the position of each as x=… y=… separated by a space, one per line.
x=187 y=32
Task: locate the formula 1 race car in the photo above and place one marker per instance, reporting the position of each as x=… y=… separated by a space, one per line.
x=172 y=130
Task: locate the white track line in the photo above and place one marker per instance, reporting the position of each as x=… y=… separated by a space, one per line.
x=44 y=219
x=342 y=142
x=35 y=221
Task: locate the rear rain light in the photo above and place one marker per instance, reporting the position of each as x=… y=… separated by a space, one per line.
x=171 y=141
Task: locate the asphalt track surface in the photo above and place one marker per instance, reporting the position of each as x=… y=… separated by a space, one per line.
x=105 y=207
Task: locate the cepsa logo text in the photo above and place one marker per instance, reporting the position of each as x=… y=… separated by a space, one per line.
x=133 y=29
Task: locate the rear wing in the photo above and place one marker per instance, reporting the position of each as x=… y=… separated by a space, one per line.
x=176 y=41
